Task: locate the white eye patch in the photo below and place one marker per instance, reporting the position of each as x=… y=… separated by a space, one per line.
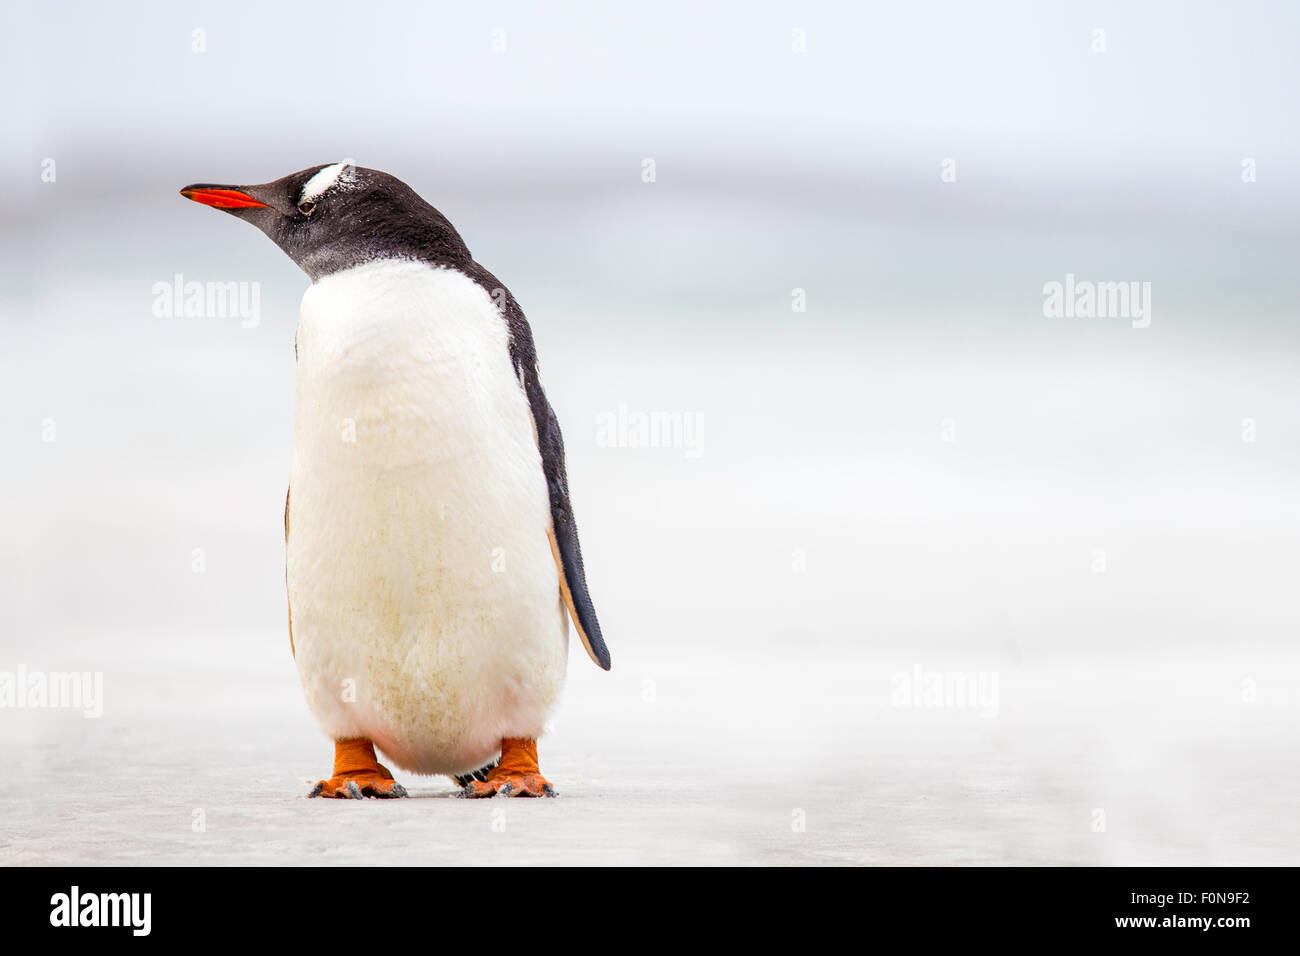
x=321 y=183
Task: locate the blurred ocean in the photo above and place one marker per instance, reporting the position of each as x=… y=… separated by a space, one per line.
x=947 y=465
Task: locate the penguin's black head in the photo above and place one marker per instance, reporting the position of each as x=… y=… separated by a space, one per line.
x=335 y=216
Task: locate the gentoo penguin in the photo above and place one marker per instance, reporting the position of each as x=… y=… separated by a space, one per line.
x=432 y=559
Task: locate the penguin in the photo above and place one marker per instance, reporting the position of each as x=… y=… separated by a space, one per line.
x=431 y=556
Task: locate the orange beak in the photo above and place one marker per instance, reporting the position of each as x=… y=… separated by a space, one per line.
x=220 y=198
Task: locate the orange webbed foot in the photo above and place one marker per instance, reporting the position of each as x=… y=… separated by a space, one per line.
x=357 y=774
x=509 y=785
x=354 y=786
x=517 y=774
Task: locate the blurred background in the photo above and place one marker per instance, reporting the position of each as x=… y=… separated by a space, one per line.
x=819 y=233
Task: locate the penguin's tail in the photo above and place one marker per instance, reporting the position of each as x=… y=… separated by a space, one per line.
x=465 y=779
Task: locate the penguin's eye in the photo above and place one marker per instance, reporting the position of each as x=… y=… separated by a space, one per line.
x=306 y=206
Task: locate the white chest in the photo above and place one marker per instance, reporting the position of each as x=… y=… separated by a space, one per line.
x=401 y=351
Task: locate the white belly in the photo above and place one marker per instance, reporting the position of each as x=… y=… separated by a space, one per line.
x=424 y=596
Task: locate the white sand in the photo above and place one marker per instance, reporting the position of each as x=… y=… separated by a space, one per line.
x=714 y=768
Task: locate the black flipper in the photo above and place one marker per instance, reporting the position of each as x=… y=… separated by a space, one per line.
x=564 y=540
x=564 y=531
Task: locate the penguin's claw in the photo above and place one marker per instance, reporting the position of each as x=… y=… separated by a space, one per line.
x=355 y=786
x=509 y=785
